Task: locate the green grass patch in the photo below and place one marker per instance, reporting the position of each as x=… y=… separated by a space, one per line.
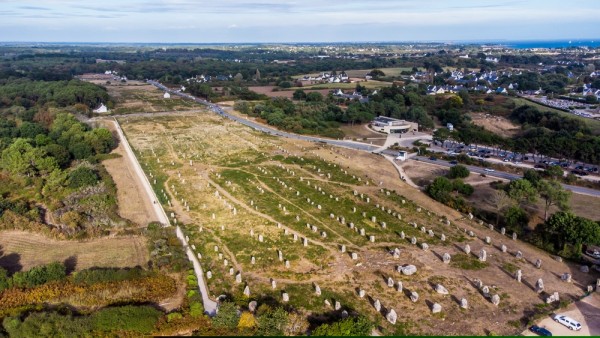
x=467 y=262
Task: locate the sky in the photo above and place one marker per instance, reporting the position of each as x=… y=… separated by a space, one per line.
x=230 y=21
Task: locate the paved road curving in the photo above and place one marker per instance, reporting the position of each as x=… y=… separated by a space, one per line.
x=210 y=306
x=353 y=145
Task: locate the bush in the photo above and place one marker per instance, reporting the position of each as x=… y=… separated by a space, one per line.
x=196 y=309
x=458 y=171
x=127 y=318
x=39 y=275
x=82 y=177
x=93 y=276
x=227 y=317
x=347 y=327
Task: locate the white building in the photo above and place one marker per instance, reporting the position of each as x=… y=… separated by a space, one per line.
x=402 y=156
x=167 y=95
x=390 y=125
x=101 y=109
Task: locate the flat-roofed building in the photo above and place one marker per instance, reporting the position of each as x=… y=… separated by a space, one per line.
x=391 y=125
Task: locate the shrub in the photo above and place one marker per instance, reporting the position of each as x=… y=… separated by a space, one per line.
x=93 y=276
x=196 y=309
x=82 y=177
x=127 y=318
x=174 y=316
x=347 y=327
x=458 y=171
x=227 y=317
x=39 y=275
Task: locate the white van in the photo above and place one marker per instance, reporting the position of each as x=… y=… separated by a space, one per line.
x=568 y=322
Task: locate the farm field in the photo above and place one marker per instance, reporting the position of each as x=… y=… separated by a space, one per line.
x=276 y=218
x=140 y=97
x=23 y=250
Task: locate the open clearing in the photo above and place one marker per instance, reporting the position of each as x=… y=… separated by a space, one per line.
x=268 y=90
x=251 y=202
x=495 y=124
x=23 y=250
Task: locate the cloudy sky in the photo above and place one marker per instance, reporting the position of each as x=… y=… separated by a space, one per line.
x=297 y=20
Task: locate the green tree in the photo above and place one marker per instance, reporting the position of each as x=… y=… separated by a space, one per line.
x=522 y=191
x=553 y=193
x=564 y=228
x=82 y=176
x=554 y=172
x=516 y=218
x=533 y=176
x=22 y=158
x=227 y=316
x=299 y=94
x=314 y=97
x=440 y=189
x=458 y=171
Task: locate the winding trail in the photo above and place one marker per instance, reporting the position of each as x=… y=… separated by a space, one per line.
x=210 y=306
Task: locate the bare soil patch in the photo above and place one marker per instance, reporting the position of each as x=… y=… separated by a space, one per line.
x=23 y=250
x=133 y=202
x=495 y=124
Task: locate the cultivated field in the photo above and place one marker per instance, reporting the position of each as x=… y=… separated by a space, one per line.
x=140 y=97
x=268 y=90
x=23 y=250
x=287 y=216
x=495 y=124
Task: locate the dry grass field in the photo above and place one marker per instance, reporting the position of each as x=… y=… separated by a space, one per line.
x=23 y=250
x=248 y=202
x=495 y=124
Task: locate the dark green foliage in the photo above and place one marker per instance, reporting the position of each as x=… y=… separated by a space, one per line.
x=359 y=326
x=93 y=276
x=440 y=189
x=4 y=280
x=39 y=275
x=47 y=324
x=139 y=319
x=516 y=219
x=227 y=317
x=82 y=176
x=565 y=228
x=272 y=322
x=458 y=171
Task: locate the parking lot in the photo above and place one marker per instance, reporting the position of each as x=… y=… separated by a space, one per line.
x=585 y=311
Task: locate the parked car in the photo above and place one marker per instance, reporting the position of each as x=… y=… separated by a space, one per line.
x=569 y=322
x=454 y=162
x=593 y=253
x=540 y=331
x=489 y=170
x=433 y=158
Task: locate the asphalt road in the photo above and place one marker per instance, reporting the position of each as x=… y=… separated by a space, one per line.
x=354 y=145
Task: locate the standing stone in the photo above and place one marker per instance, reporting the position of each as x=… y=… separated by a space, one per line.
x=514 y=236
x=482 y=255
x=491 y=227
x=361 y=293
x=519 y=255
x=337 y=305
x=464 y=304
x=566 y=277
x=402 y=235
x=495 y=300
x=467 y=249
x=343 y=248
x=413 y=240
x=519 y=275
x=225 y=262
x=216 y=248
x=424 y=246
x=556 y=298
x=584 y=269
x=391 y=316
x=287 y=264
x=377 y=305
x=208 y=274
x=488 y=240
x=439 y=288
x=478 y=283
x=436 y=308
x=354 y=256
x=598 y=285
x=231 y=271
x=399 y=286
x=538 y=263
x=247 y=291
x=372 y=239
x=390 y=282
x=471 y=233
x=423 y=229
x=443 y=238
x=539 y=286
x=285 y=297
x=407 y=270
x=486 y=291
x=252 y=260
x=503 y=248
x=305 y=242
x=446 y=258
x=295 y=237
x=238 y=278
x=362 y=232
x=252 y=306
x=261 y=238
x=373 y=219
x=430 y=233
x=503 y=230
x=414 y=296
x=317 y=290
x=273 y=284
